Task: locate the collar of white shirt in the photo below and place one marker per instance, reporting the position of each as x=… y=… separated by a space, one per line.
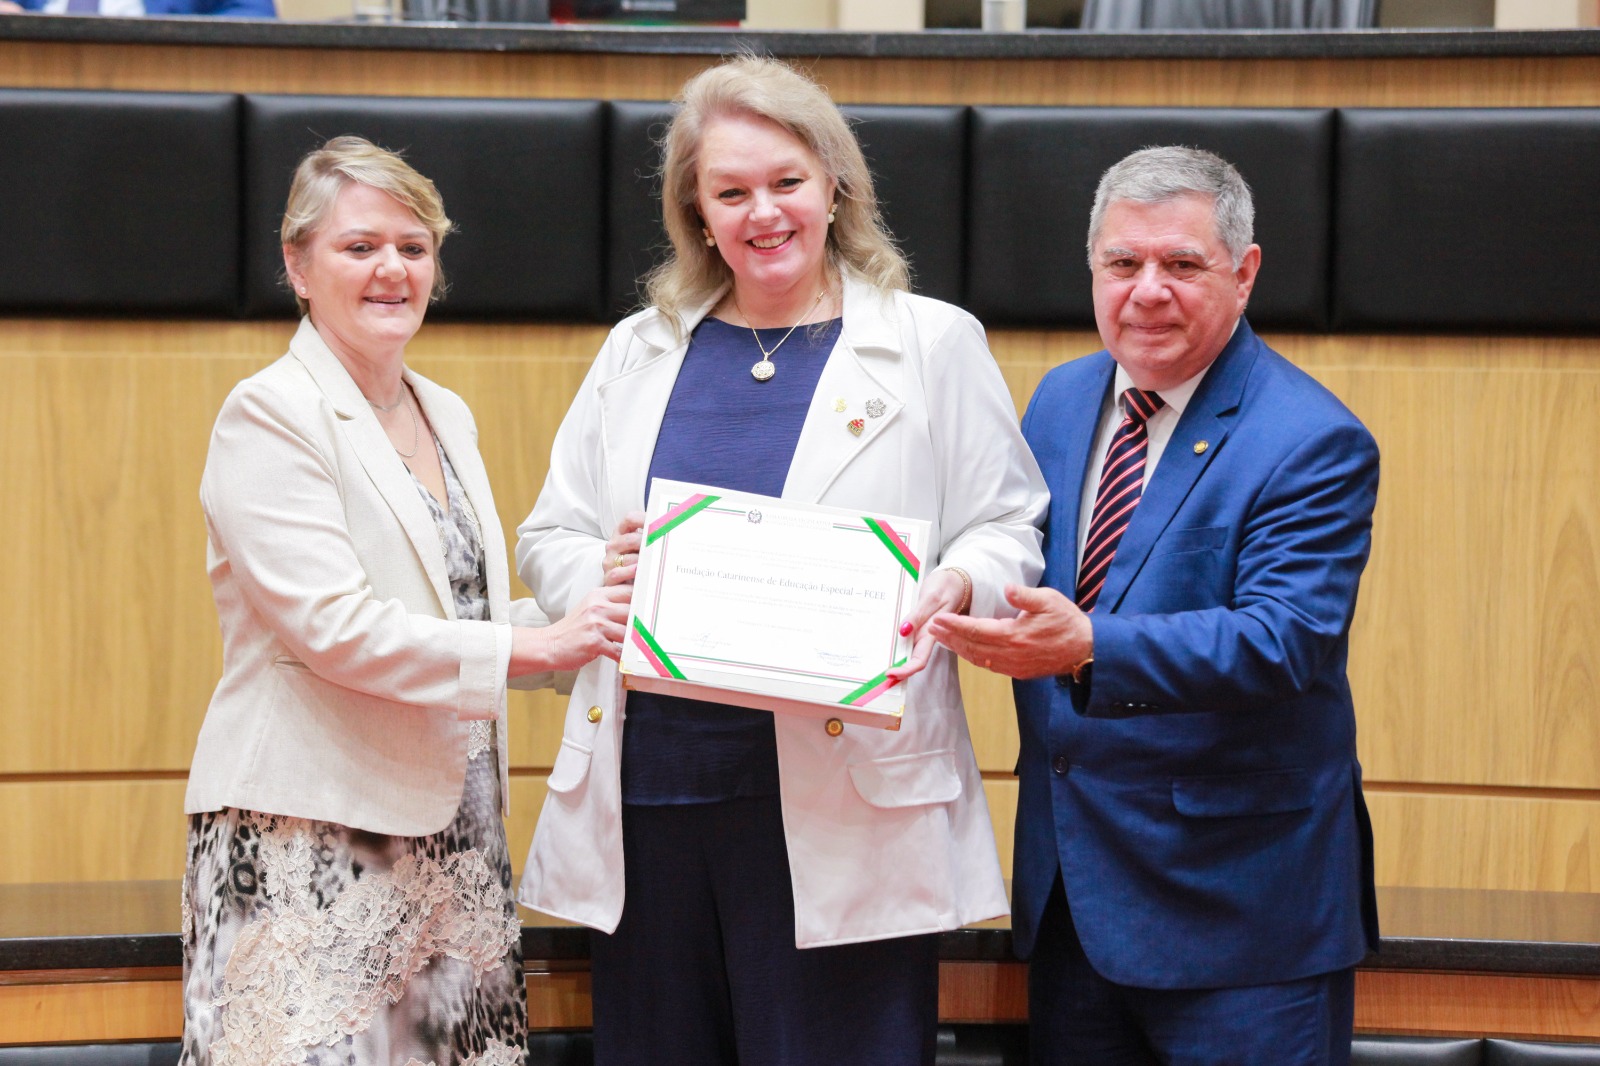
x=1159 y=427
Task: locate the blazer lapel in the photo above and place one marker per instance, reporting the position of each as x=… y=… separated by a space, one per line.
x=378 y=457
x=1208 y=418
x=632 y=404
x=827 y=444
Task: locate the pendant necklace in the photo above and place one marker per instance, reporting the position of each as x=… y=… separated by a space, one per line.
x=764 y=370
x=416 y=430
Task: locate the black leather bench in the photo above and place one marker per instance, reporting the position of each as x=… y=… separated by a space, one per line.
x=1034 y=172
x=520 y=178
x=1470 y=218
x=167 y=204
x=119 y=203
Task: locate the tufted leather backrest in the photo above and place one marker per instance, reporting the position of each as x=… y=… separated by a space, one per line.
x=1393 y=219
x=1034 y=172
x=119 y=203
x=1468 y=218
x=520 y=178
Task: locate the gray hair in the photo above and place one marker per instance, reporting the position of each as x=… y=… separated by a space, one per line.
x=1157 y=175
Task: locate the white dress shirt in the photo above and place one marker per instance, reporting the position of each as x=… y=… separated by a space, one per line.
x=1160 y=426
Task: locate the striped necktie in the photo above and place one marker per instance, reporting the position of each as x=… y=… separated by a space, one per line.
x=1121 y=485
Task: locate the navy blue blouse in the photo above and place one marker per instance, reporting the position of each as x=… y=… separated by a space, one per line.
x=723 y=428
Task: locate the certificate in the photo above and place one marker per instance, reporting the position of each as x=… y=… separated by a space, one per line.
x=779 y=606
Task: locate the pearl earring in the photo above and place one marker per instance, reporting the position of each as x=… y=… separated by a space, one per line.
x=711 y=242
x=832 y=208
x=302 y=291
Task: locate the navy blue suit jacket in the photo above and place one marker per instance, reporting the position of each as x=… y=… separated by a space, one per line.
x=1200 y=792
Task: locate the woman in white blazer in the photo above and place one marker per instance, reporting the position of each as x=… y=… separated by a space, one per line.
x=347 y=896
x=773 y=898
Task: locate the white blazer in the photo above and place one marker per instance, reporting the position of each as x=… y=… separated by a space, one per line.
x=888 y=832
x=346 y=678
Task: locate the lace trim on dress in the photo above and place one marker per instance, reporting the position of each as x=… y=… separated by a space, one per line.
x=299 y=977
x=480 y=738
x=495 y=1054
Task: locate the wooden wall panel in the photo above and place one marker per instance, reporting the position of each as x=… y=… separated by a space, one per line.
x=1473 y=658
x=150 y=1007
x=1552 y=81
x=92 y=830
x=527 y=799
x=110 y=652
x=1496 y=1005
x=140 y=1009
x=1497 y=841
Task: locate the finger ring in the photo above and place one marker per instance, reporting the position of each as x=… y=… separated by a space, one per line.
x=616 y=561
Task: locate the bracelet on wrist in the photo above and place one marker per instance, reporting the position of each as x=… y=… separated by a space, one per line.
x=966 y=589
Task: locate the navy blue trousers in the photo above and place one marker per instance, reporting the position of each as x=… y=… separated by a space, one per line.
x=703 y=970
x=1078 y=1018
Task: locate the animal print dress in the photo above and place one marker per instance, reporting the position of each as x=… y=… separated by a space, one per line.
x=312 y=944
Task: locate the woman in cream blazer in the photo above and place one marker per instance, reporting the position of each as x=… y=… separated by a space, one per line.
x=346 y=676
x=346 y=896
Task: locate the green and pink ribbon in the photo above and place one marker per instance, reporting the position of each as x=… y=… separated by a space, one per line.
x=870 y=689
x=897 y=547
x=678 y=515
x=654 y=654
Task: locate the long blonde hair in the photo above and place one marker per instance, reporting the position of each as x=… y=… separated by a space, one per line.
x=858 y=241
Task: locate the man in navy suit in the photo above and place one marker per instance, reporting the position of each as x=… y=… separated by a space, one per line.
x=1193 y=870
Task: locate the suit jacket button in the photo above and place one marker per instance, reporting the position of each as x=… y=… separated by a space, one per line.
x=595 y=714
x=834 y=727
x=1059 y=764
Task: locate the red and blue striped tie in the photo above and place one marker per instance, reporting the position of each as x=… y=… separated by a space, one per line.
x=1121 y=485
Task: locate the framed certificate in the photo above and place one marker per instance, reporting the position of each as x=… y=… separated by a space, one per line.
x=779 y=606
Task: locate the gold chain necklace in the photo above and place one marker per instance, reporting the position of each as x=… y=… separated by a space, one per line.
x=764 y=370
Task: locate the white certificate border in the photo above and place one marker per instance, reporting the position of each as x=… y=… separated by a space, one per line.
x=658 y=594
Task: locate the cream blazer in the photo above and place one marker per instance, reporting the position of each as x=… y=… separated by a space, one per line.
x=347 y=680
x=888 y=833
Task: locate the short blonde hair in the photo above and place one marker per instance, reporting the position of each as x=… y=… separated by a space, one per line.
x=351 y=160
x=858 y=240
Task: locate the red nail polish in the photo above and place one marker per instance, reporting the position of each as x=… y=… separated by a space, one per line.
x=905 y=630
x=893 y=681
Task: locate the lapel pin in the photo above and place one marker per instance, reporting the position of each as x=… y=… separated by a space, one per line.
x=839 y=405
x=856 y=425
x=876 y=408
x=1200 y=447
